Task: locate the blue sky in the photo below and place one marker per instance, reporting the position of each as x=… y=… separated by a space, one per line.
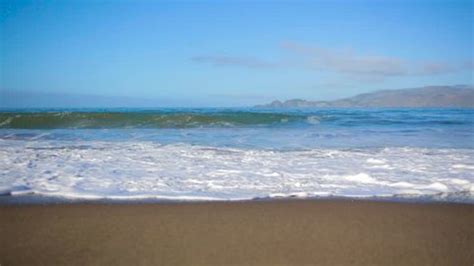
x=232 y=53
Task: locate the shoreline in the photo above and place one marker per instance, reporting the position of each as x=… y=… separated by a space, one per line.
x=285 y=232
x=33 y=199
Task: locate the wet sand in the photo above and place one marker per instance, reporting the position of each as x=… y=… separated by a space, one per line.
x=295 y=232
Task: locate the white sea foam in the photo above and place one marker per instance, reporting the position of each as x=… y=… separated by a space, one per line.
x=376 y=161
x=361 y=178
x=6 y=121
x=463 y=166
x=314 y=120
x=141 y=170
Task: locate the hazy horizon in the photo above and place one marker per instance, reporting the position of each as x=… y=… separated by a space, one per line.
x=29 y=99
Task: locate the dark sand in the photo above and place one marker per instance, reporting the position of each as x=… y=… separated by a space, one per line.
x=247 y=233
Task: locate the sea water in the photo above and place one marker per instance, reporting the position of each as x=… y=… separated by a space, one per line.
x=237 y=154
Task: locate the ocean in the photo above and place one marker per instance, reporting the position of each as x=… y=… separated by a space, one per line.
x=237 y=154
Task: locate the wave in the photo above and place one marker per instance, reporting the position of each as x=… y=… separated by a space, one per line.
x=146 y=170
x=193 y=118
x=91 y=120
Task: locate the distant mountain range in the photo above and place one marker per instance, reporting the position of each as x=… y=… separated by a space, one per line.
x=460 y=96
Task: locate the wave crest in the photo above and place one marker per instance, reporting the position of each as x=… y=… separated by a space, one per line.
x=53 y=120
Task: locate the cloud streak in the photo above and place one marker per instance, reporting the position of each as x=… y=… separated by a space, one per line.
x=345 y=62
x=351 y=63
x=219 y=60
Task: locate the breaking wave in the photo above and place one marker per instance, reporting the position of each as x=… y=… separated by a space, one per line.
x=144 y=170
x=194 y=118
x=91 y=120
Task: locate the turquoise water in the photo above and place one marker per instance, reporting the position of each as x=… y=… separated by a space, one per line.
x=292 y=129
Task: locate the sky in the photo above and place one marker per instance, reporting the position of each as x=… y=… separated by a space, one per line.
x=227 y=53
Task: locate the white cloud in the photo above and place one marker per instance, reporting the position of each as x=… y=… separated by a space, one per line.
x=345 y=62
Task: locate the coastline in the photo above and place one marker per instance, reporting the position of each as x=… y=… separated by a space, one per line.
x=262 y=232
x=461 y=197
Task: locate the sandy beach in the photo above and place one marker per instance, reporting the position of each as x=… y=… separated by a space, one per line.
x=295 y=232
